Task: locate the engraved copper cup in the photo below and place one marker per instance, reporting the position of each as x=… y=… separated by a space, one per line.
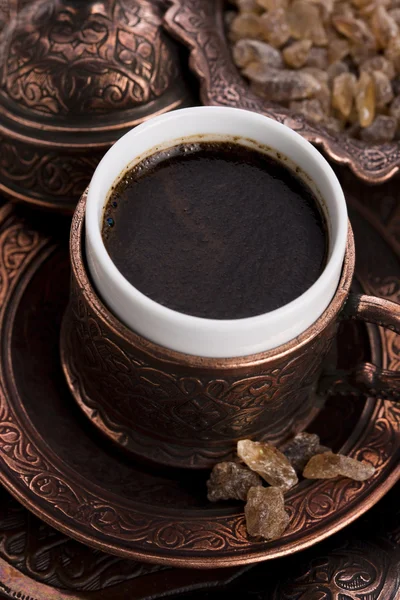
x=186 y=409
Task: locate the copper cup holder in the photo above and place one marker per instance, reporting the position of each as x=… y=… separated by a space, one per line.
x=181 y=410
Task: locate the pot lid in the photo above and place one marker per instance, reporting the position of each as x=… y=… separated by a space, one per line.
x=94 y=67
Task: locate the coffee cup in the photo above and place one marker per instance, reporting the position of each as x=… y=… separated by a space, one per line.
x=181 y=390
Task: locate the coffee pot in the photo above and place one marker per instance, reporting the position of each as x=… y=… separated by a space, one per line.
x=74 y=76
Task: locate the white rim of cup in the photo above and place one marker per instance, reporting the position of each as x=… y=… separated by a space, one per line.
x=201 y=336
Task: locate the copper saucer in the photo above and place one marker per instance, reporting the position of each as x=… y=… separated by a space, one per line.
x=59 y=468
x=37 y=562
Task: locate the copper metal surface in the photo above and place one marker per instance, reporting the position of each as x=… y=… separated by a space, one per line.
x=186 y=411
x=88 y=490
x=75 y=76
x=199 y=25
x=180 y=410
x=39 y=563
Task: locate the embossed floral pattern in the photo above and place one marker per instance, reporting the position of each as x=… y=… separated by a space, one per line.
x=132 y=398
x=74 y=76
x=45 y=174
x=86 y=57
x=348 y=573
x=54 y=559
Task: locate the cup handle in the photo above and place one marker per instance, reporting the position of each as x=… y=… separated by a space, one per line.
x=367 y=379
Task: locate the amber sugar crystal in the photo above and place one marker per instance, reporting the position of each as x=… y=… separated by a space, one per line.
x=277 y=43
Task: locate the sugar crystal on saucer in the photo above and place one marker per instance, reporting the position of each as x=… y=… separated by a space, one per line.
x=329 y=466
x=301 y=448
x=230 y=480
x=265 y=513
x=269 y=462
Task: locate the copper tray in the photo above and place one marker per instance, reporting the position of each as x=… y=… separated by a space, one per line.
x=199 y=25
x=37 y=562
x=87 y=490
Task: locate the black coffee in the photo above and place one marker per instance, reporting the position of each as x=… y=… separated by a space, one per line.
x=216 y=230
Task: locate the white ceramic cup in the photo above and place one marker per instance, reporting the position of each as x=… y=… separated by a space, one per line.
x=196 y=335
